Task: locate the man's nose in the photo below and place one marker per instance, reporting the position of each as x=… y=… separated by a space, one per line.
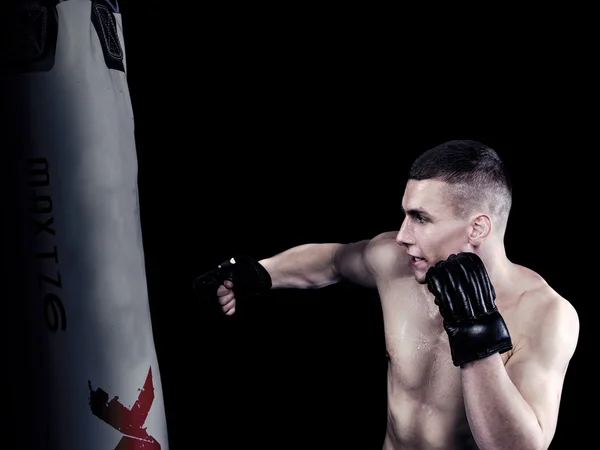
x=404 y=236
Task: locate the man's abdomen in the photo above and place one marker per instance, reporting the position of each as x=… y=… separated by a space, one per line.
x=426 y=406
x=419 y=425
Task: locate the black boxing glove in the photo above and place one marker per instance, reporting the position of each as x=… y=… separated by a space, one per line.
x=466 y=299
x=248 y=276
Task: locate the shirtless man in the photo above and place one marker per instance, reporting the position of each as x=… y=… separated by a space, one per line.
x=478 y=346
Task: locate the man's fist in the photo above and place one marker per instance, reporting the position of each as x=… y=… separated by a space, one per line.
x=466 y=299
x=240 y=276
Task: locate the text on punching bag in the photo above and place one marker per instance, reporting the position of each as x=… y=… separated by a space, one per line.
x=49 y=280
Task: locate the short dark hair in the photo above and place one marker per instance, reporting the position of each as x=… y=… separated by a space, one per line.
x=476 y=173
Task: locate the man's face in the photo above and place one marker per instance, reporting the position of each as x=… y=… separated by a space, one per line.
x=430 y=230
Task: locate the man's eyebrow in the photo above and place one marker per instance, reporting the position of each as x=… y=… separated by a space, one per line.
x=414 y=211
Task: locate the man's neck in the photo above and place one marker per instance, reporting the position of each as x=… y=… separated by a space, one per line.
x=498 y=266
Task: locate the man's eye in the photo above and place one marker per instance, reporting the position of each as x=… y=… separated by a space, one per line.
x=419 y=219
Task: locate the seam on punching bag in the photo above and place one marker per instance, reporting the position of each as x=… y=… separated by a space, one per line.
x=106 y=28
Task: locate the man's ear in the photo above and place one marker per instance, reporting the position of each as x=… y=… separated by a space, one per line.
x=479 y=229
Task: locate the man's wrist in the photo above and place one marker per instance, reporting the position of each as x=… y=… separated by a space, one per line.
x=479 y=364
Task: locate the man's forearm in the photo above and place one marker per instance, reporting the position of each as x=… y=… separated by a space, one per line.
x=307 y=266
x=498 y=415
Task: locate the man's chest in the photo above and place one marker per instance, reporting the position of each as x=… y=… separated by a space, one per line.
x=417 y=343
x=419 y=361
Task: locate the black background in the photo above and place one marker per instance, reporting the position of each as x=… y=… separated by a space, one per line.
x=255 y=135
x=258 y=130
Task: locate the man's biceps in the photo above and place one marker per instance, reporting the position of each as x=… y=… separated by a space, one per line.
x=353 y=267
x=349 y=257
x=544 y=400
x=540 y=386
x=356 y=270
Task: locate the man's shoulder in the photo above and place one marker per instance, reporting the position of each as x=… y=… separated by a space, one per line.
x=536 y=291
x=385 y=257
x=386 y=238
x=541 y=304
x=383 y=246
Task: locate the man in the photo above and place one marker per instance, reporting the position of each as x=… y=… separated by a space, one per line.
x=478 y=346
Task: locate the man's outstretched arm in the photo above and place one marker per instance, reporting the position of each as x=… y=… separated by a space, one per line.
x=307 y=266
x=313 y=266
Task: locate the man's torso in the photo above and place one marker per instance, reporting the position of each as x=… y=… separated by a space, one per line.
x=425 y=401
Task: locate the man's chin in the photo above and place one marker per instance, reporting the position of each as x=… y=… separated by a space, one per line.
x=421 y=279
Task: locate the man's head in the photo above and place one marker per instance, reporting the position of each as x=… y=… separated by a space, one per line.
x=458 y=195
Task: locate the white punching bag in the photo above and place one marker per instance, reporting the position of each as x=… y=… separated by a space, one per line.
x=80 y=365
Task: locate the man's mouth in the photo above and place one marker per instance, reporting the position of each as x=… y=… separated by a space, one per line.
x=417 y=262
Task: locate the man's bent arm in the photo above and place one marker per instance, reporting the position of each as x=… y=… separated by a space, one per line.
x=516 y=406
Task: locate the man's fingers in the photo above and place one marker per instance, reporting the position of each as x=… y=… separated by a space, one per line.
x=229 y=308
x=223 y=290
x=227 y=298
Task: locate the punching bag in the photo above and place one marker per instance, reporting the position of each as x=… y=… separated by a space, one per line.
x=80 y=368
